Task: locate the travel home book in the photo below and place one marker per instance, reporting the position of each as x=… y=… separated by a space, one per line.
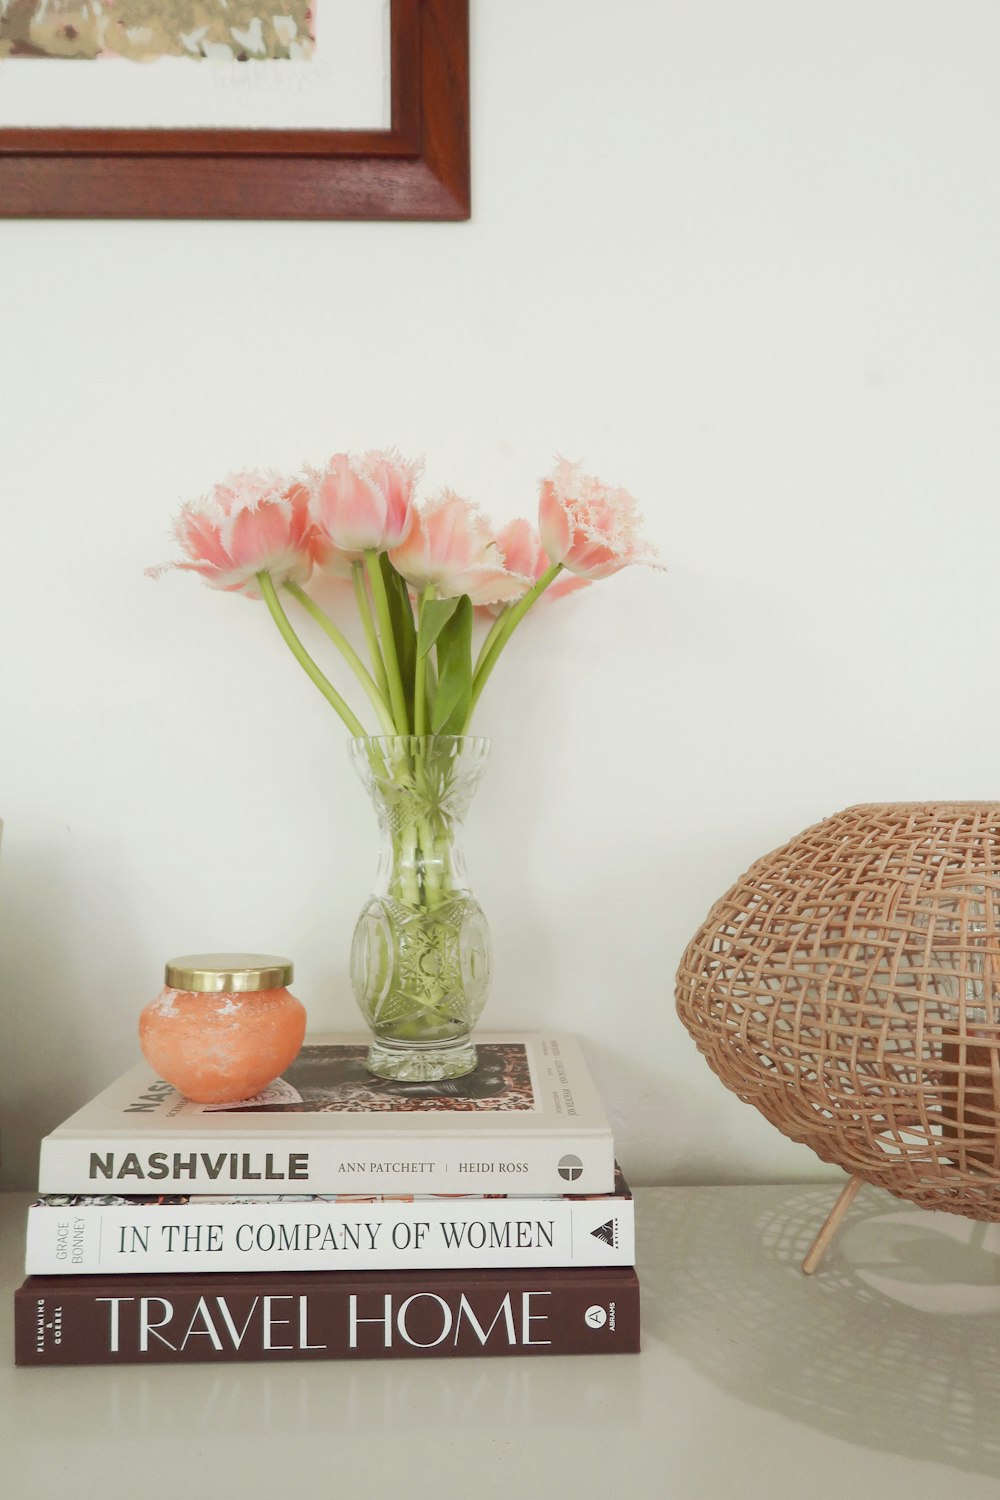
x=90 y=1320
x=527 y=1121
x=81 y=1236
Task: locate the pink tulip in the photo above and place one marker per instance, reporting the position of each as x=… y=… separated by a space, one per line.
x=522 y=550
x=248 y=524
x=452 y=547
x=361 y=503
x=592 y=529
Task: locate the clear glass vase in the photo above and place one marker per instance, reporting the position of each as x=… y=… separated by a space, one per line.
x=421 y=960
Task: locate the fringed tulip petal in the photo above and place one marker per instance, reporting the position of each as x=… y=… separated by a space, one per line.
x=453 y=550
x=330 y=558
x=253 y=534
x=588 y=526
x=362 y=503
x=522 y=550
x=199 y=537
x=249 y=524
x=554 y=526
x=486 y=585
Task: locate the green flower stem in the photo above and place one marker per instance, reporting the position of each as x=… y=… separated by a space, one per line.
x=394 y=769
x=368 y=623
x=408 y=867
x=416 y=983
x=494 y=631
x=418 y=882
x=421 y=843
x=428 y=844
x=420 y=677
x=511 y=619
x=349 y=654
x=425 y=851
x=431 y=864
x=396 y=694
x=302 y=656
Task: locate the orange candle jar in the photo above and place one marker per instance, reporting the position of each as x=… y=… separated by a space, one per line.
x=224 y=1027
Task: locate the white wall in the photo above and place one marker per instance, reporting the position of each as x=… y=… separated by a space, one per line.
x=740 y=258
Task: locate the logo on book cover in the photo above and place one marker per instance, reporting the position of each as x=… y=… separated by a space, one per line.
x=596 y=1316
x=570 y=1168
x=608 y=1233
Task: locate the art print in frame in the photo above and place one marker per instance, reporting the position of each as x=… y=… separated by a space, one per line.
x=234 y=109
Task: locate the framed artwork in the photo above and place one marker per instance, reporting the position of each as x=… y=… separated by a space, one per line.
x=234 y=109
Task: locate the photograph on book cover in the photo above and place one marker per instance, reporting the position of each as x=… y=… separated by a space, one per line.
x=320 y=109
x=336 y=1077
x=530 y=1116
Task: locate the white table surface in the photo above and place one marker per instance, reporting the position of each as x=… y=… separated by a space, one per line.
x=880 y=1375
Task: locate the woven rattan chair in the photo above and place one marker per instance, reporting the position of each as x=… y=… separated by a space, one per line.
x=848 y=986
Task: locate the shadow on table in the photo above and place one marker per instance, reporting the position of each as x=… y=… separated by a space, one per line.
x=892 y=1344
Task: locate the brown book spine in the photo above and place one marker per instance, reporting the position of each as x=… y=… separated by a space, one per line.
x=94 y=1320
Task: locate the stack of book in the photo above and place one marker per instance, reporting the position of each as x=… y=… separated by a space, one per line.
x=337 y=1215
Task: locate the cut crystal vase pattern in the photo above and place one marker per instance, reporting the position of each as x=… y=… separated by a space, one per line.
x=420 y=960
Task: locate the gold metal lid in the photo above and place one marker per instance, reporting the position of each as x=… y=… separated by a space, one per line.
x=228 y=972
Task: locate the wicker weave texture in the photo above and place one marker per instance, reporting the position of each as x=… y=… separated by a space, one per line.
x=848 y=986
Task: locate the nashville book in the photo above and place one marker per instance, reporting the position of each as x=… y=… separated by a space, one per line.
x=347 y=1232
x=527 y=1121
x=90 y=1320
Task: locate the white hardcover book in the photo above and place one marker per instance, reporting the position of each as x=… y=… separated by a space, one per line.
x=86 y=1235
x=527 y=1121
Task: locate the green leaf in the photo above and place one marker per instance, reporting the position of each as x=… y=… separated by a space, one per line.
x=453 y=698
x=404 y=632
x=434 y=616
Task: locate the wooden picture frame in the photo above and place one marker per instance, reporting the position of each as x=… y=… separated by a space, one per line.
x=417 y=169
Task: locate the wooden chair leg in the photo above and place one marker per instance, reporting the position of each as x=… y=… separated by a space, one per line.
x=821 y=1243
